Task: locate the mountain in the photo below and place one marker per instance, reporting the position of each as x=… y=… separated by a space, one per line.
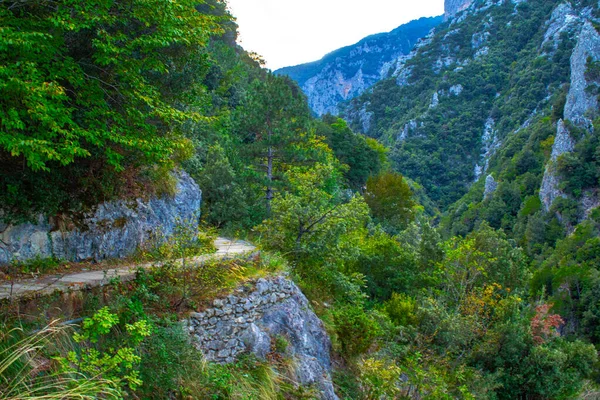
x=347 y=72
x=492 y=99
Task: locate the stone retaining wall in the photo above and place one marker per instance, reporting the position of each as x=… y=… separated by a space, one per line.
x=252 y=317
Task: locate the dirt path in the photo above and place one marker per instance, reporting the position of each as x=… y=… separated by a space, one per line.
x=48 y=284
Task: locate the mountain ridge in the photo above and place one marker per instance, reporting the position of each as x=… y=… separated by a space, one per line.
x=347 y=72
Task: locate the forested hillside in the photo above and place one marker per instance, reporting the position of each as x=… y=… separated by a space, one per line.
x=473 y=277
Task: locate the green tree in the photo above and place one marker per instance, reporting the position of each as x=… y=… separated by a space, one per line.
x=92 y=99
x=364 y=156
x=273 y=122
x=390 y=199
x=86 y=79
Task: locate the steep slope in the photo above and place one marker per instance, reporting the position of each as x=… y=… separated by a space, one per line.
x=490 y=71
x=345 y=73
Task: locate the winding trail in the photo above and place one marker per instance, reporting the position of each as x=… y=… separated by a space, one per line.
x=48 y=284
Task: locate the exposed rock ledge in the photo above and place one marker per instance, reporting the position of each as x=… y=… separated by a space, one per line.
x=113 y=230
x=563 y=143
x=251 y=319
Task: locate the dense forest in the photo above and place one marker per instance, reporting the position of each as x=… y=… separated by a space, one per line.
x=430 y=285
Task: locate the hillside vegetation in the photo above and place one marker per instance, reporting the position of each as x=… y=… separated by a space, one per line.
x=494 y=298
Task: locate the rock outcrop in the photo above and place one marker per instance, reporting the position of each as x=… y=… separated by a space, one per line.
x=490 y=144
x=490 y=186
x=582 y=106
x=113 y=230
x=453 y=7
x=563 y=143
x=250 y=321
x=564 y=19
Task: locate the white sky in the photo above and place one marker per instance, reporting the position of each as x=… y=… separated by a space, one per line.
x=291 y=32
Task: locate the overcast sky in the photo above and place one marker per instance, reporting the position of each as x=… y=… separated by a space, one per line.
x=290 y=32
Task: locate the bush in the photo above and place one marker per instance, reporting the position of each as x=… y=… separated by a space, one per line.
x=401 y=309
x=356 y=330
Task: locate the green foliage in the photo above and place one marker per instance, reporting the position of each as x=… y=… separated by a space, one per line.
x=386 y=265
x=355 y=329
x=168 y=362
x=82 y=78
x=36 y=265
x=484 y=257
x=184 y=242
x=364 y=156
x=23 y=379
x=281 y=344
x=314 y=216
x=379 y=379
x=401 y=309
x=444 y=143
x=224 y=199
x=118 y=365
x=390 y=199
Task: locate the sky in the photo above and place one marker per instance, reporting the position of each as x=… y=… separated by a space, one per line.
x=291 y=32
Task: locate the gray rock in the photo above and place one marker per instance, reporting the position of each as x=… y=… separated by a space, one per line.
x=564 y=19
x=409 y=128
x=347 y=73
x=581 y=107
x=456 y=90
x=484 y=51
x=435 y=100
x=563 y=143
x=490 y=144
x=286 y=312
x=479 y=38
x=112 y=230
x=218 y=303
x=490 y=186
x=453 y=7
x=256 y=341
x=224 y=353
x=365 y=118
x=196 y=316
x=262 y=286
x=589 y=202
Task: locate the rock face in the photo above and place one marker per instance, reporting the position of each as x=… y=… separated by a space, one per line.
x=582 y=106
x=113 y=230
x=490 y=144
x=452 y=7
x=564 y=19
x=490 y=186
x=563 y=143
x=348 y=72
x=250 y=321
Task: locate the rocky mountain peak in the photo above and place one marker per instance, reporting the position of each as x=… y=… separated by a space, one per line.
x=452 y=7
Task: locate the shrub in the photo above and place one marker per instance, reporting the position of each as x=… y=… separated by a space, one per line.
x=356 y=330
x=401 y=309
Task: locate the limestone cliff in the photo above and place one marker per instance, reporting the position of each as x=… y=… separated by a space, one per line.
x=582 y=106
x=563 y=143
x=252 y=318
x=580 y=109
x=452 y=7
x=113 y=230
x=348 y=72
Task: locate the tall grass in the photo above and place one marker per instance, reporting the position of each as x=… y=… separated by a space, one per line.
x=28 y=372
